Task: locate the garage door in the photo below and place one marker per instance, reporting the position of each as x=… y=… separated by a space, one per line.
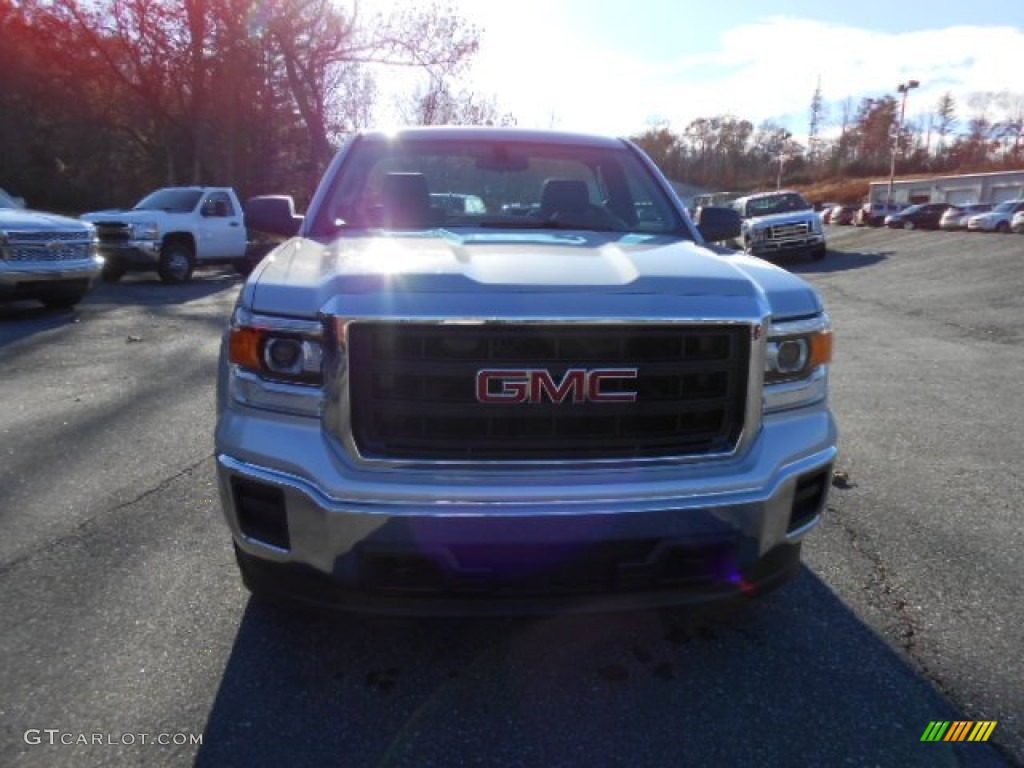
x=961 y=196
x=1001 y=194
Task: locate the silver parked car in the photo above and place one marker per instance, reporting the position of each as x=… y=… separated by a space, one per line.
x=957 y=216
x=996 y=220
x=45 y=256
x=1017 y=223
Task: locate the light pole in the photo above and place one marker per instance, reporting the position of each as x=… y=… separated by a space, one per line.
x=783 y=138
x=903 y=88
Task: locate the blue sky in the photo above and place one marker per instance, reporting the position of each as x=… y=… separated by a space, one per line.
x=615 y=67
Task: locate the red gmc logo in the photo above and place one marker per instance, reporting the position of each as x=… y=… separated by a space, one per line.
x=528 y=385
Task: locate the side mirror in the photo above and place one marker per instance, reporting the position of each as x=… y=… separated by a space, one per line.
x=716 y=223
x=273 y=215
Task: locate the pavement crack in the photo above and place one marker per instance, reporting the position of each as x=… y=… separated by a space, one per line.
x=886 y=595
x=82 y=526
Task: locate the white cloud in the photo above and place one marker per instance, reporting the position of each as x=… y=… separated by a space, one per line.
x=535 y=62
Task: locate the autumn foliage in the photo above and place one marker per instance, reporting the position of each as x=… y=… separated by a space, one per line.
x=728 y=153
x=102 y=100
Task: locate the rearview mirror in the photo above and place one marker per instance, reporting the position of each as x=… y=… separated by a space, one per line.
x=716 y=223
x=273 y=215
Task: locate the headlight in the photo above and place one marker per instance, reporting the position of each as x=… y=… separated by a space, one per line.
x=276 y=355
x=146 y=230
x=795 y=349
x=796 y=363
x=276 y=364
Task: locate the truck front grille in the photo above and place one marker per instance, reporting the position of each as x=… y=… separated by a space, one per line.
x=44 y=245
x=413 y=391
x=113 y=231
x=789 y=231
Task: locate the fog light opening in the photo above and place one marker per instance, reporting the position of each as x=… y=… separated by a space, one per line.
x=261 y=512
x=808 y=498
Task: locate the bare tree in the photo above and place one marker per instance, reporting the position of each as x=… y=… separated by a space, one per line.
x=438 y=103
x=945 y=117
x=317 y=36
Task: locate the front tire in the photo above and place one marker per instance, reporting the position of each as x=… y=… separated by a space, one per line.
x=818 y=254
x=1002 y=227
x=176 y=263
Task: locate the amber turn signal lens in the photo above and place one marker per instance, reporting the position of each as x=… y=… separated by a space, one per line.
x=245 y=347
x=821 y=349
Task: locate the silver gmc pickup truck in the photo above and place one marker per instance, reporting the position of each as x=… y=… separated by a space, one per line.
x=559 y=400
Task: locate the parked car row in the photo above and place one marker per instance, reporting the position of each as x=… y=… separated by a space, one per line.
x=923 y=216
x=974 y=217
x=999 y=219
x=957 y=215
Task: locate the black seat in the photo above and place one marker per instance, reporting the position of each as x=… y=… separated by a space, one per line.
x=405 y=201
x=565 y=197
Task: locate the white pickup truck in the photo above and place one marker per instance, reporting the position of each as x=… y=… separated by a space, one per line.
x=173 y=230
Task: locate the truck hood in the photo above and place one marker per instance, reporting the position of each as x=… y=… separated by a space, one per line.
x=22 y=218
x=778 y=218
x=521 y=274
x=130 y=216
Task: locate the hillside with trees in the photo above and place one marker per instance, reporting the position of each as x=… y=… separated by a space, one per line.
x=729 y=153
x=103 y=100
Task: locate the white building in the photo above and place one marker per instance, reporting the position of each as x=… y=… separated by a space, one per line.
x=968 y=188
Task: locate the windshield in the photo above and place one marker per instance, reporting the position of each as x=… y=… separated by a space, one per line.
x=170 y=200
x=784 y=202
x=439 y=182
x=6 y=201
x=1006 y=207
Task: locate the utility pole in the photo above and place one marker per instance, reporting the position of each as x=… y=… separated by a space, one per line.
x=783 y=138
x=904 y=89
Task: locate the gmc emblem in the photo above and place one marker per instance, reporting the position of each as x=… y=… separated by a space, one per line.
x=529 y=385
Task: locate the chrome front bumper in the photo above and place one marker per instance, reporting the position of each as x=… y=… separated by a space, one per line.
x=12 y=273
x=131 y=253
x=782 y=246
x=336 y=515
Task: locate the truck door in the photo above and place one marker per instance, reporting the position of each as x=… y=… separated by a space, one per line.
x=221 y=233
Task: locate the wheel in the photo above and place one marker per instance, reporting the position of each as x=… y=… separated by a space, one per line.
x=65 y=301
x=1002 y=227
x=112 y=272
x=176 y=263
x=908 y=225
x=818 y=254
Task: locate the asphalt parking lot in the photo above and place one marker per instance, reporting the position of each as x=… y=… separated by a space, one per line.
x=123 y=613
